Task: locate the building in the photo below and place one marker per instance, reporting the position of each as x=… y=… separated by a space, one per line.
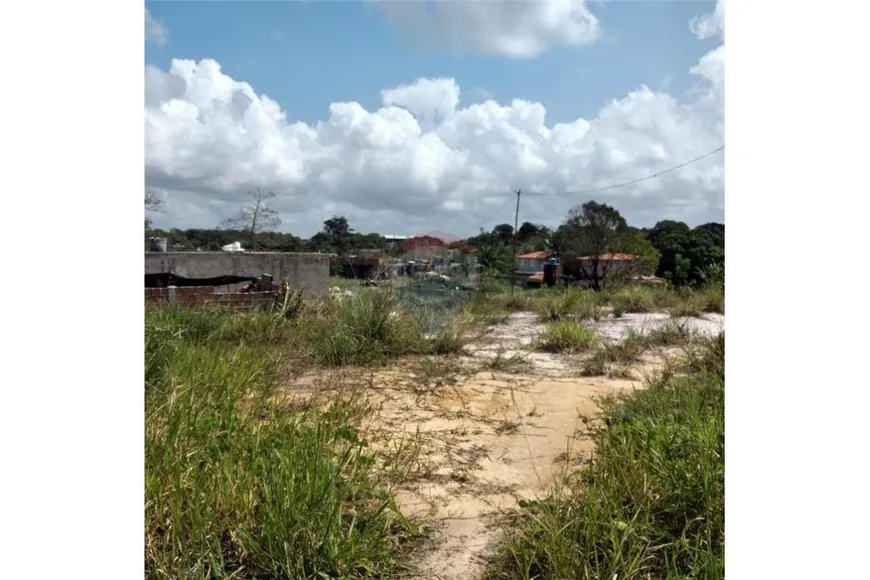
x=609 y=267
x=421 y=248
x=532 y=262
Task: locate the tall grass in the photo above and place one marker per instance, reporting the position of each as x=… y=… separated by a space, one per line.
x=651 y=503
x=240 y=485
x=566 y=336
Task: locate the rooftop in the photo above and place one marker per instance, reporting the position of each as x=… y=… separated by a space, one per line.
x=539 y=255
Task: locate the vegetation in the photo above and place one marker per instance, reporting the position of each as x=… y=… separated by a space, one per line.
x=651 y=503
x=240 y=484
x=670 y=249
x=568 y=336
x=255 y=217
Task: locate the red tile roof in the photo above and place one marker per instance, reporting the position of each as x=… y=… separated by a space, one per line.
x=541 y=255
x=610 y=257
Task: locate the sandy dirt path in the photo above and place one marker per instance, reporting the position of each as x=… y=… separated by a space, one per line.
x=495 y=428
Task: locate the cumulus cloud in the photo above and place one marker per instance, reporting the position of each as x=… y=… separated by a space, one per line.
x=512 y=28
x=155 y=30
x=420 y=161
x=710 y=25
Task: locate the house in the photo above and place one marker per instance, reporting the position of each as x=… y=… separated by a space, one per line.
x=609 y=265
x=532 y=262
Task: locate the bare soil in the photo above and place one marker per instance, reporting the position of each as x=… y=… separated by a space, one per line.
x=495 y=427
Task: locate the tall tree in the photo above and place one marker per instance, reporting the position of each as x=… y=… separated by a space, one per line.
x=254 y=217
x=338 y=233
x=337 y=227
x=590 y=231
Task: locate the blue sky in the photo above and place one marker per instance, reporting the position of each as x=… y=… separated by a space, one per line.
x=309 y=55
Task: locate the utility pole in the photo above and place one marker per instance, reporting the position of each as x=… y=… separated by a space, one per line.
x=513 y=269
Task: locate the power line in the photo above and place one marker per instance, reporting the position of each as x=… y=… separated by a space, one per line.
x=633 y=181
x=501 y=209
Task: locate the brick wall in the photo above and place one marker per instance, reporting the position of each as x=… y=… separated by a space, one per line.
x=192 y=295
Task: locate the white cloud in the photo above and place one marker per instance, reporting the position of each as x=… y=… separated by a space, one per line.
x=511 y=28
x=155 y=30
x=421 y=161
x=710 y=25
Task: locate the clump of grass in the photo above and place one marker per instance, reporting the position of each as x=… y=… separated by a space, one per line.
x=573 y=302
x=566 y=336
x=632 y=299
x=240 y=485
x=454 y=337
x=712 y=299
x=651 y=502
x=364 y=329
x=505 y=363
x=596 y=365
x=671 y=334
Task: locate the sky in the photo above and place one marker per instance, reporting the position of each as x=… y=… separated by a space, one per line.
x=407 y=117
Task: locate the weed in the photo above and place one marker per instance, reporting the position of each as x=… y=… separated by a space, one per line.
x=671 y=334
x=554 y=308
x=651 y=502
x=566 y=336
x=712 y=299
x=506 y=363
x=239 y=485
x=632 y=299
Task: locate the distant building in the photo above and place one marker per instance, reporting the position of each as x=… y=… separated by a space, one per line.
x=609 y=266
x=421 y=248
x=532 y=262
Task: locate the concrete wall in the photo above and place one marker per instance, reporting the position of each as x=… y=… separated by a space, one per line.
x=308 y=271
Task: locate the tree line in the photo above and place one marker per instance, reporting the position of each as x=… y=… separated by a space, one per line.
x=671 y=250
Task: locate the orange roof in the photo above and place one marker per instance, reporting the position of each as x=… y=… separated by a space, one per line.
x=541 y=255
x=610 y=257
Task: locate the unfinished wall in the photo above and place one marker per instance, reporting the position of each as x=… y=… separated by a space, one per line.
x=308 y=271
x=191 y=295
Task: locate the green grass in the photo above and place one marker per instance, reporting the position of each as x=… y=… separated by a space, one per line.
x=566 y=336
x=632 y=299
x=651 y=503
x=238 y=484
x=557 y=304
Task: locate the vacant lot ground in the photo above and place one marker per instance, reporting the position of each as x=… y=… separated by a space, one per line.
x=347 y=438
x=493 y=426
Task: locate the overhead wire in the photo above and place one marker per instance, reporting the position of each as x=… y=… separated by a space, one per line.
x=630 y=182
x=659 y=173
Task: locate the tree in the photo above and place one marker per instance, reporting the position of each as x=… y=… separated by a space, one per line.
x=337 y=227
x=338 y=233
x=689 y=256
x=590 y=231
x=153 y=202
x=504 y=232
x=254 y=217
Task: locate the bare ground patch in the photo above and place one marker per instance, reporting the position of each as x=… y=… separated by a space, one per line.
x=493 y=427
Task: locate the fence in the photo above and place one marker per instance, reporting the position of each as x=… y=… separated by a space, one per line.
x=435 y=301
